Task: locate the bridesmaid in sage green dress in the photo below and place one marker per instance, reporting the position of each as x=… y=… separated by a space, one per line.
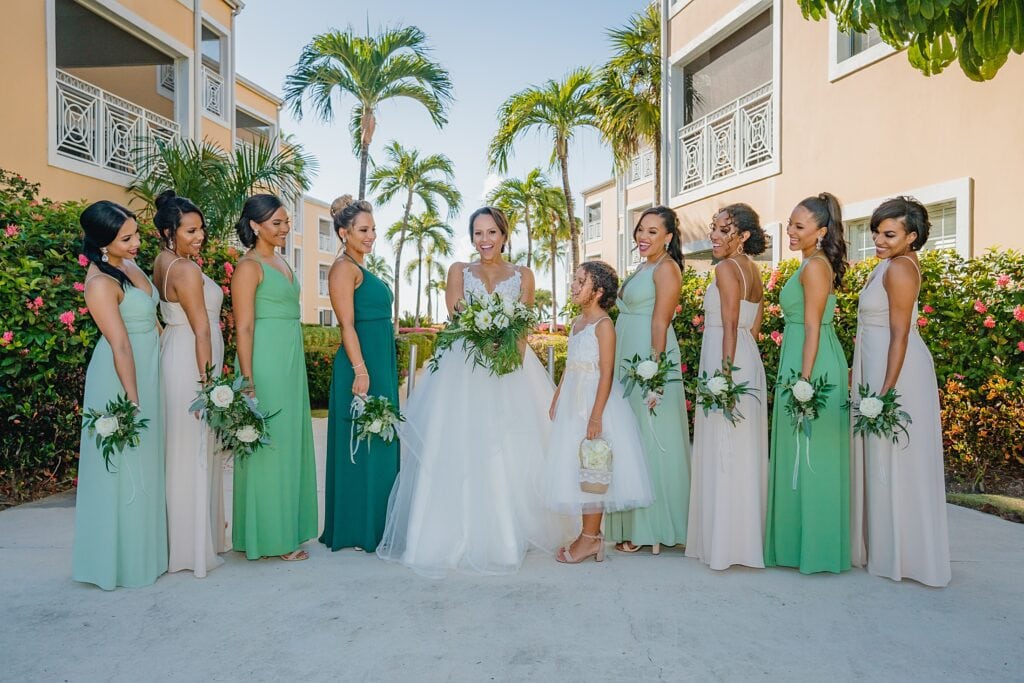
x=275 y=487
x=358 y=484
x=808 y=522
x=120 y=514
x=647 y=302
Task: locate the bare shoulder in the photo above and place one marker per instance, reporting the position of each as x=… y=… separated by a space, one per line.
x=817 y=269
x=901 y=273
x=457 y=268
x=525 y=273
x=605 y=329
x=668 y=272
x=727 y=269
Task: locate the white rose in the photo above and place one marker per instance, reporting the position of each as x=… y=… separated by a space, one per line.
x=501 y=321
x=222 y=396
x=483 y=319
x=508 y=308
x=107 y=425
x=803 y=391
x=717 y=385
x=871 y=407
x=375 y=427
x=647 y=369
x=247 y=434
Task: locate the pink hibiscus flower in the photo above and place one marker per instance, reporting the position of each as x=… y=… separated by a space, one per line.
x=990 y=322
x=777 y=337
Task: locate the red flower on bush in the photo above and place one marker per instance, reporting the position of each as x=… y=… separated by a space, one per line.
x=228 y=269
x=772 y=280
x=697 y=320
x=684 y=368
x=226 y=289
x=12 y=230
x=928 y=309
x=9 y=337
x=990 y=322
x=79 y=286
x=679 y=309
x=980 y=307
x=922 y=321
x=1020 y=345
x=83 y=261
x=1018 y=313
x=34 y=304
x=67 y=318
x=1003 y=281
x=83 y=310
x=777 y=337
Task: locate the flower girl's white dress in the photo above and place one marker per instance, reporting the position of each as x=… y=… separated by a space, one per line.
x=630 y=485
x=469 y=494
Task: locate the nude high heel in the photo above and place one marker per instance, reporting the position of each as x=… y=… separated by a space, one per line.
x=656 y=549
x=598 y=554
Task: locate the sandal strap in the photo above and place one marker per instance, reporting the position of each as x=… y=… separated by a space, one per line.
x=599 y=537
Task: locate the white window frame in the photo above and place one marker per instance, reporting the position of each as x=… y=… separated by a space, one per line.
x=274 y=128
x=743 y=13
x=320 y=236
x=320 y=317
x=959 y=190
x=226 y=72
x=323 y=279
x=838 y=69
x=677 y=6
x=773 y=233
x=297 y=261
x=593 y=236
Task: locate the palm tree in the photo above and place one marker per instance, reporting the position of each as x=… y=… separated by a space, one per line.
x=433 y=288
x=518 y=196
x=219 y=181
x=393 y=63
x=559 y=108
x=432 y=236
x=553 y=230
x=628 y=92
x=435 y=272
x=429 y=178
x=378 y=265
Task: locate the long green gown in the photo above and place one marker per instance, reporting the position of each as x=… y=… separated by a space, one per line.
x=665 y=436
x=275 y=487
x=356 y=496
x=121 y=515
x=808 y=524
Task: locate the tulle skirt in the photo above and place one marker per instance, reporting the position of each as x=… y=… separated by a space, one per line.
x=469 y=494
x=630 y=485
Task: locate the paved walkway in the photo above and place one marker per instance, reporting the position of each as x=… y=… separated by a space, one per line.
x=348 y=616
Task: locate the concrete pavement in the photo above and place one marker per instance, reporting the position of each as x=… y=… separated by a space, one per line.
x=348 y=616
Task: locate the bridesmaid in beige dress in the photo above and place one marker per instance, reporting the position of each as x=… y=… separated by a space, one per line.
x=190 y=304
x=898 y=517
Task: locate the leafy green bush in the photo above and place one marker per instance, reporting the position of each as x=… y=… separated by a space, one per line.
x=424 y=343
x=540 y=342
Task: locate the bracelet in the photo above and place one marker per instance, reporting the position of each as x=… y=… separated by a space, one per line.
x=593 y=420
x=362 y=374
x=359 y=365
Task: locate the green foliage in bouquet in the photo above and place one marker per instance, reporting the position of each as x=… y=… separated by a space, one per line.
x=491 y=329
x=232 y=414
x=879 y=415
x=720 y=392
x=116 y=428
x=805 y=400
x=373 y=417
x=650 y=375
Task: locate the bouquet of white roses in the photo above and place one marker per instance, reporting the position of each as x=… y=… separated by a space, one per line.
x=720 y=392
x=650 y=375
x=595 y=465
x=879 y=415
x=490 y=328
x=804 y=401
x=116 y=428
x=231 y=413
x=372 y=417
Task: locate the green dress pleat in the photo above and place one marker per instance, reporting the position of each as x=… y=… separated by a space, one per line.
x=809 y=526
x=121 y=515
x=356 y=495
x=665 y=436
x=275 y=487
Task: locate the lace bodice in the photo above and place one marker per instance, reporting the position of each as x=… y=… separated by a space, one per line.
x=584 y=352
x=508 y=289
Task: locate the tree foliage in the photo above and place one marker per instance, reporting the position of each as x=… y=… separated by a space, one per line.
x=979 y=34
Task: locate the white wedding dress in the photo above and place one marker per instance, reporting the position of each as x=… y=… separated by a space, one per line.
x=469 y=494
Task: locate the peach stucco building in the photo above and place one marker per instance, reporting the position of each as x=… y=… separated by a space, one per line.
x=765 y=107
x=94 y=76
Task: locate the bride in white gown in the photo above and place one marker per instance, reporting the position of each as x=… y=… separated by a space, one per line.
x=469 y=495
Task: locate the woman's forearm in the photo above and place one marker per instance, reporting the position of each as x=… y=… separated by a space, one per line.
x=124 y=366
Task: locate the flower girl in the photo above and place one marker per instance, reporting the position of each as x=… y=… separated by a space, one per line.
x=596 y=461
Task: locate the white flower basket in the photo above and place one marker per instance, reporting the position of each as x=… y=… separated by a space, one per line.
x=595 y=465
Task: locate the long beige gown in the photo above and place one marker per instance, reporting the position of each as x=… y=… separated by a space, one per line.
x=195 y=494
x=898 y=518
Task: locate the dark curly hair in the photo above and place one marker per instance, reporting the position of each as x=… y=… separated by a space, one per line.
x=259 y=208
x=603 y=277
x=827 y=214
x=169 y=210
x=911 y=212
x=344 y=210
x=746 y=220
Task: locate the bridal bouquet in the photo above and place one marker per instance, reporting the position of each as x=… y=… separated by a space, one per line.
x=804 y=401
x=372 y=417
x=879 y=415
x=231 y=413
x=650 y=375
x=116 y=428
x=720 y=392
x=491 y=329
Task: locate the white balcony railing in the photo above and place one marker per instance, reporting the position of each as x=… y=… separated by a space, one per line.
x=100 y=128
x=642 y=167
x=213 y=92
x=730 y=140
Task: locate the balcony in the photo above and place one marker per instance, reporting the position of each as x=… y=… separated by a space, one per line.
x=214 y=101
x=735 y=138
x=99 y=128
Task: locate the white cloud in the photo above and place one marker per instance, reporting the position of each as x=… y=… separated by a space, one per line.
x=490 y=182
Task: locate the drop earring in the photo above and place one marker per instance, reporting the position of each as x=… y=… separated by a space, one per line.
x=104 y=257
x=171 y=245
x=819 y=242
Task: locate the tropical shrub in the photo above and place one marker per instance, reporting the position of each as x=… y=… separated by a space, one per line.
x=540 y=342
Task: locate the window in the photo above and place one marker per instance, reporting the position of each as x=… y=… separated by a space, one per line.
x=324 y=272
x=852 y=43
x=297 y=261
x=941 y=236
x=849 y=51
x=593 y=229
x=211 y=49
x=326 y=317
x=214 y=88
x=326 y=241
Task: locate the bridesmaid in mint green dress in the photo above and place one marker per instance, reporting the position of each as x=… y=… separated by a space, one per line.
x=120 y=514
x=356 y=496
x=647 y=302
x=808 y=522
x=275 y=508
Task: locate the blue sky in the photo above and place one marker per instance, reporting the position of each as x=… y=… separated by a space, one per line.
x=491 y=50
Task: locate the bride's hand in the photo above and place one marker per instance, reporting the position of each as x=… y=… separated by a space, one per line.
x=551 y=410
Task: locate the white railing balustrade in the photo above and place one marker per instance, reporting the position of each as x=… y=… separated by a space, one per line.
x=104 y=130
x=728 y=141
x=213 y=92
x=641 y=167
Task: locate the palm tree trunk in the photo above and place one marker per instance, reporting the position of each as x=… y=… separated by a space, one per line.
x=657 y=168
x=430 y=298
x=553 y=263
x=529 y=236
x=419 y=281
x=364 y=159
x=562 y=148
x=398 y=252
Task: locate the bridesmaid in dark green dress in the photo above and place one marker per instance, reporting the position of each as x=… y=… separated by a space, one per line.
x=356 y=497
